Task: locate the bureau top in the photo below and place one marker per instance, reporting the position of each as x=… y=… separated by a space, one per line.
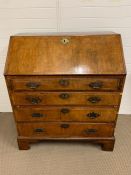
x=79 y=54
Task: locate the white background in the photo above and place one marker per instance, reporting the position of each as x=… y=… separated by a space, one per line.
x=18 y=16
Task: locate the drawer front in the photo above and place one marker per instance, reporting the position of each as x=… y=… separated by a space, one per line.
x=65 y=98
x=65 y=130
x=91 y=84
x=80 y=114
x=84 y=114
x=37 y=114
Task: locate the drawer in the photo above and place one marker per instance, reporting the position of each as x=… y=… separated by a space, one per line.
x=65 y=98
x=65 y=83
x=80 y=114
x=88 y=114
x=63 y=129
x=37 y=114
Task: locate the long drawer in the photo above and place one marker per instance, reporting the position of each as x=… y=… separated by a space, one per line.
x=66 y=98
x=76 y=114
x=65 y=130
x=66 y=83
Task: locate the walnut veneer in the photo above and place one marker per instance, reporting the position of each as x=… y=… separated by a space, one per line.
x=65 y=87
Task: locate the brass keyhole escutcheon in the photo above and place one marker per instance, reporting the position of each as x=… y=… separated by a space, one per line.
x=65 y=41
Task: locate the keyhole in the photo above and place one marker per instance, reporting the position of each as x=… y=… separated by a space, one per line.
x=65 y=41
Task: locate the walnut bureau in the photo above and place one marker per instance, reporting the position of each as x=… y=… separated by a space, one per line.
x=65 y=86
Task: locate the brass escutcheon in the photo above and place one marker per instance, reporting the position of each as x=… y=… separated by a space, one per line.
x=65 y=41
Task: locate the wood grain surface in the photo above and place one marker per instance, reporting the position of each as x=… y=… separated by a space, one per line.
x=65 y=113
x=47 y=55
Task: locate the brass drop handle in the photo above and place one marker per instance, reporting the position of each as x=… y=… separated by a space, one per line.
x=65 y=126
x=90 y=131
x=65 y=110
x=96 y=85
x=32 y=85
x=63 y=82
x=93 y=115
x=64 y=96
x=38 y=115
x=33 y=100
x=94 y=99
x=39 y=130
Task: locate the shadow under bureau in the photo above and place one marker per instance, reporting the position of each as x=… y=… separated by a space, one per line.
x=65 y=87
